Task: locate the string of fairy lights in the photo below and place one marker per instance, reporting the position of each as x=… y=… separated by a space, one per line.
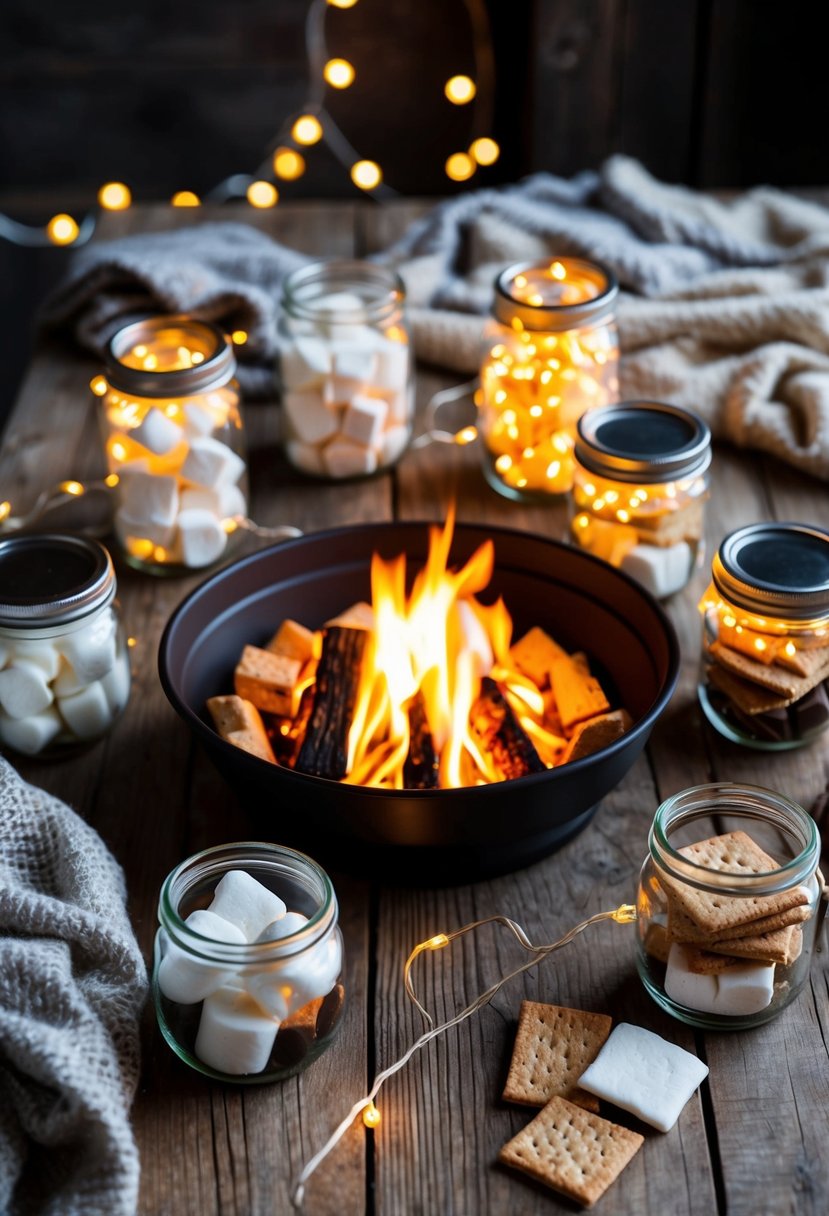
x=311 y=127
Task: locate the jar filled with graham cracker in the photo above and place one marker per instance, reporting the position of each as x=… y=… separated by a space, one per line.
x=729 y=905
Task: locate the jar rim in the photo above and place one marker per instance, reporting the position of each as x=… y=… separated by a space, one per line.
x=89 y=579
x=213 y=861
x=736 y=578
x=338 y=274
x=609 y=443
x=217 y=368
x=555 y=318
x=728 y=797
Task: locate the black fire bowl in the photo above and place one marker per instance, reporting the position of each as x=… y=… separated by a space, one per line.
x=423 y=837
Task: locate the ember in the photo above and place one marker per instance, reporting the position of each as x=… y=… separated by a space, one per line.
x=421 y=689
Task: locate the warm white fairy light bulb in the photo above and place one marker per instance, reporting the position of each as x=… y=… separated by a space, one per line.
x=339 y=73
x=185 y=198
x=484 y=150
x=307 y=130
x=366 y=174
x=288 y=164
x=262 y=194
x=459 y=167
x=460 y=90
x=114 y=196
x=62 y=230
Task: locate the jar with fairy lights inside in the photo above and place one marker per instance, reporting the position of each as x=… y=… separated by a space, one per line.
x=174 y=440
x=551 y=353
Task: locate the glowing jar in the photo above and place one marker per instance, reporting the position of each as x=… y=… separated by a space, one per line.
x=552 y=352
x=639 y=488
x=765 y=670
x=174 y=440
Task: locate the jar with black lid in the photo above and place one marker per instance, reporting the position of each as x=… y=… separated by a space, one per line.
x=765 y=670
x=639 y=489
x=64 y=665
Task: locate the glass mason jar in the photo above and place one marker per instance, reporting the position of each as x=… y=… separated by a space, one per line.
x=688 y=897
x=764 y=680
x=173 y=435
x=551 y=352
x=346 y=369
x=64 y=665
x=639 y=485
x=248 y=965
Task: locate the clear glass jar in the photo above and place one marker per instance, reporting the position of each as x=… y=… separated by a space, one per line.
x=551 y=352
x=346 y=375
x=764 y=679
x=172 y=429
x=247 y=988
x=639 y=486
x=64 y=664
x=690 y=968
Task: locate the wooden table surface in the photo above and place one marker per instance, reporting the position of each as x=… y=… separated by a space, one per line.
x=751 y=1141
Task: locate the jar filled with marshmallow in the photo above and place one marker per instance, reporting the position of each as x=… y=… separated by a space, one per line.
x=346 y=369
x=64 y=662
x=729 y=905
x=248 y=968
x=174 y=440
x=639 y=489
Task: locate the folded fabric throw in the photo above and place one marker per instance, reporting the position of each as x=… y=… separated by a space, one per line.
x=72 y=984
x=724 y=309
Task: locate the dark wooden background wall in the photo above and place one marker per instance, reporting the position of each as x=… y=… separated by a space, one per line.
x=178 y=94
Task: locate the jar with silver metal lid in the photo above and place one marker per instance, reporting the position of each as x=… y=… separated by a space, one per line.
x=64 y=665
x=174 y=440
x=639 y=488
x=551 y=353
x=765 y=670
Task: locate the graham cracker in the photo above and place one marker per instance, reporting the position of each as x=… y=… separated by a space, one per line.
x=240 y=723
x=553 y=1046
x=748 y=697
x=707 y=962
x=657 y=942
x=571 y=1150
x=596 y=733
x=681 y=928
x=669 y=527
x=735 y=853
x=535 y=653
x=776 y=679
x=802 y=662
x=783 y=946
x=578 y=694
x=266 y=679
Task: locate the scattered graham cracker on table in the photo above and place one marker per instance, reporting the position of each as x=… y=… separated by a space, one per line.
x=572 y=1150
x=553 y=1046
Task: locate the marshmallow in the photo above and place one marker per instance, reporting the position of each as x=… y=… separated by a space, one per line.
x=284 y=926
x=42 y=654
x=129 y=527
x=357 y=362
x=305 y=363
x=235 y=1037
x=337 y=303
x=305 y=456
x=307 y=418
x=340 y=391
x=345 y=459
x=287 y=985
x=158 y=433
x=90 y=650
x=116 y=684
x=201 y=537
x=392 y=365
x=364 y=420
x=24 y=690
x=184 y=977
x=246 y=903
x=211 y=463
x=742 y=989
x=662 y=571
x=222 y=501
x=686 y=987
x=86 y=713
x=67 y=682
x=197 y=420
x=30 y=735
x=644 y=1074
x=393 y=443
x=150 y=498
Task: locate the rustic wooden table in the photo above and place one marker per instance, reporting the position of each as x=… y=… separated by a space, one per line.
x=751 y=1141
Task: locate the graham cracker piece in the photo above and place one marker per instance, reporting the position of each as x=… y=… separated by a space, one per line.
x=596 y=733
x=571 y=1150
x=358 y=616
x=735 y=853
x=657 y=942
x=293 y=640
x=782 y=946
x=578 y=694
x=748 y=697
x=553 y=1046
x=534 y=655
x=239 y=723
x=669 y=527
x=267 y=680
x=802 y=662
x=682 y=929
x=776 y=679
x=707 y=962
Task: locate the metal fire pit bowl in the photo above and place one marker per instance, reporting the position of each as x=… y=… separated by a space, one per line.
x=426 y=837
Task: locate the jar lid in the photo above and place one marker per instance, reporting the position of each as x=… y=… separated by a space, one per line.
x=514 y=302
x=214 y=363
x=642 y=441
x=781 y=568
x=51 y=579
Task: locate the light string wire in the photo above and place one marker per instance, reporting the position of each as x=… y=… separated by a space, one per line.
x=623 y=915
x=317 y=55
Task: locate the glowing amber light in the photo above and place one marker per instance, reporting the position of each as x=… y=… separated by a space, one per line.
x=307 y=130
x=112 y=480
x=288 y=164
x=485 y=151
x=185 y=198
x=62 y=230
x=371 y=1116
x=71 y=487
x=98 y=385
x=339 y=73
x=366 y=174
x=467 y=435
x=460 y=167
x=342 y=3
x=239 y=337
x=262 y=194
x=5 y=510
x=460 y=90
x=114 y=196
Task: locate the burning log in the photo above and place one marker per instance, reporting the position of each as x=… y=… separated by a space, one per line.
x=502 y=735
x=420 y=770
x=324 y=750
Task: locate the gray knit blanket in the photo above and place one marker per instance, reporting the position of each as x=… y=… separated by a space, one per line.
x=724 y=307
x=72 y=984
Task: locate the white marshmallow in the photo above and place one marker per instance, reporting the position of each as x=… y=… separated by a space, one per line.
x=475 y=638
x=235 y=1036
x=364 y=419
x=158 y=433
x=305 y=363
x=183 y=976
x=86 y=713
x=338 y=303
x=644 y=1074
x=392 y=365
x=91 y=649
x=307 y=418
x=43 y=654
x=685 y=986
x=287 y=985
x=201 y=537
x=211 y=463
x=30 y=735
x=150 y=498
x=197 y=420
x=393 y=443
x=401 y=404
x=340 y=391
x=246 y=903
x=355 y=361
x=742 y=989
x=67 y=681
x=141 y=465
x=24 y=690
x=345 y=459
x=222 y=501
x=116 y=683
x=305 y=456
x=129 y=527
x=662 y=571
x=283 y=926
